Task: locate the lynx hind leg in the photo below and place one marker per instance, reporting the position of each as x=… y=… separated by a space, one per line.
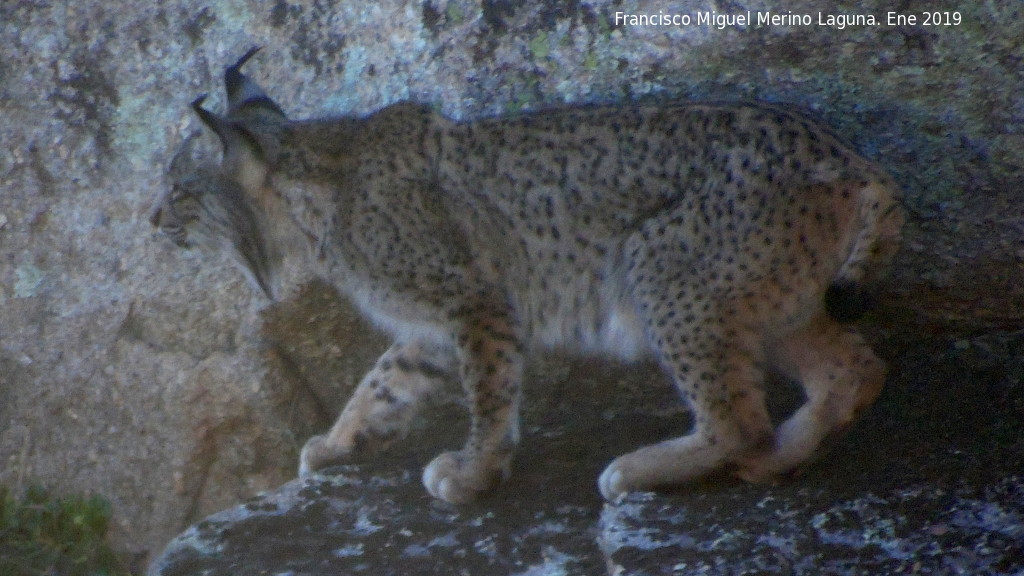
x=719 y=368
x=383 y=405
x=840 y=375
x=491 y=360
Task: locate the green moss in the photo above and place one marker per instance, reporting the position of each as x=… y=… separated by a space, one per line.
x=604 y=28
x=524 y=99
x=43 y=534
x=540 y=48
x=454 y=13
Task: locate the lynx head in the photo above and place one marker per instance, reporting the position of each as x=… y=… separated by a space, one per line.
x=217 y=206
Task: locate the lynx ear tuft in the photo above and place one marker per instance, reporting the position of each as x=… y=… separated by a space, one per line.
x=211 y=120
x=214 y=122
x=234 y=80
x=244 y=95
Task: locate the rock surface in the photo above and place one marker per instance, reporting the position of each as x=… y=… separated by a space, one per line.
x=939 y=493
x=157 y=378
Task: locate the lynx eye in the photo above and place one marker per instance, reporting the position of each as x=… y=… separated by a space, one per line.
x=178 y=193
x=167 y=217
x=171 y=227
x=177 y=235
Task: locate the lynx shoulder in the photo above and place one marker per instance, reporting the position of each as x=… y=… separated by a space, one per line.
x=717 y=239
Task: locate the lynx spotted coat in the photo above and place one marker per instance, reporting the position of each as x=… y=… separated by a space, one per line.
x=720 y=240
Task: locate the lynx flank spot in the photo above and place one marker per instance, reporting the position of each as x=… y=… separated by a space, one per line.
x=706 y=236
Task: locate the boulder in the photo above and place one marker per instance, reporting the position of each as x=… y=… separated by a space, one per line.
x=920 y=486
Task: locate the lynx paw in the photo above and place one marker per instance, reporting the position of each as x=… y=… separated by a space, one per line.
x=670 y=462
x=763 y=472
x=318 y=454
x=457 y=478
x=615 y=481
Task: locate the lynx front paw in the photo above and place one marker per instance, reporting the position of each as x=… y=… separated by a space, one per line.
x=615 y=481
x=457 y=478
x=318 y=453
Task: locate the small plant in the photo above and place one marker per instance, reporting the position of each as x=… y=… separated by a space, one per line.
x=42 y=535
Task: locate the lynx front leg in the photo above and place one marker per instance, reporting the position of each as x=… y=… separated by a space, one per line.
x=491 y=367
x=383 y=405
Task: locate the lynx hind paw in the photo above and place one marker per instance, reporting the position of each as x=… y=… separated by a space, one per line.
x=766 y=472
x=457 y=478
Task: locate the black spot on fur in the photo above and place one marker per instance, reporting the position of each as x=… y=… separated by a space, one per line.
x=847 y=301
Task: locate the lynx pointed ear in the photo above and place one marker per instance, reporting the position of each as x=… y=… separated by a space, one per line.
x=244 y=157
x=212 y=121
x=245 y=97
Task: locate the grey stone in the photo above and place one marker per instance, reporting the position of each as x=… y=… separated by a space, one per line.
x=919 y=529
x=940 y=493
x=347 y=524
